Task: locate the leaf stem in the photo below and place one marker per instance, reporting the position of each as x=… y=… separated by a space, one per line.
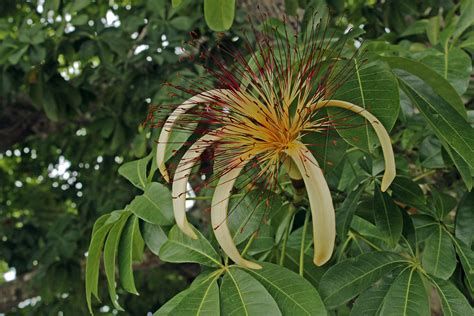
x=285 y=236
x=302 y=247
x=249 y=243
x=424 y=174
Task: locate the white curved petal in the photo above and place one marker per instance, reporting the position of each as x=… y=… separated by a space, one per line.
x=384 y=138
x=174 y=116
x=220 y=202
x=322 y=209
x=181 y=177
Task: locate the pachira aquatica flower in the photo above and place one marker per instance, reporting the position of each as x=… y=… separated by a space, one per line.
x=255 y=117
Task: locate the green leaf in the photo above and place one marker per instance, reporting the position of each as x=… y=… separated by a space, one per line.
x=439 y=257
x=171 y=304
x=16 y=56
x=99 y=232
x=436 y=81
x=462 y=167
x=447 y=124
x=425 y=226
x=443 y=204
x=465 y=219
x=181 y=248
x=219 y=14
x=387 y=216
x=50 y=105
x=374 y=88
x=291 y=6
x=347 y=210
x=327 y=147
x=154 y=205
x=293 y=294
x=246 y=214
x=466 y=19
x=178 y=138
x=455 y=66
x=138 y=244
x=241 y=294
x=110 y=253
x=347 y=279
x=176 y=3
x=454 y=303
x=407 y=191
x=154 y=237
x=406 y=296
x=202 y=298
x=466 y=256
x=182 y=23
x=79 y=5
x=370 y=302
x=264 y=240
x=311 y=272
x=125 y=256
x=432 y=30
x=135 y=171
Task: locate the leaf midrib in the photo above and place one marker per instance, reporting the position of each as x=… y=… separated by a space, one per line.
x=362 y=276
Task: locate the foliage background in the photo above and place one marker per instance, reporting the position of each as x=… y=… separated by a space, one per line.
x=76 y=81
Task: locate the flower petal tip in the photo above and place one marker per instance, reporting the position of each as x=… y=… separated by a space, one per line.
x=164 y=173
x=387 y=180
x=252 y=265
x=188 y=231
x=321 y=260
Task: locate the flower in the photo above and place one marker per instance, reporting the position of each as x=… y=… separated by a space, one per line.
x=264 y=106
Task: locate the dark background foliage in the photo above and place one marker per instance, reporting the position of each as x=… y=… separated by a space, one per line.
x=76 y=81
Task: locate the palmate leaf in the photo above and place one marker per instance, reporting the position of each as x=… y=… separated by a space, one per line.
x=465 y=219
x=241 y=294
x=311 y=272
x=454 y=303
x=154 y=205
x=387 y=216
x=246 y=214
x=110 y=253
x=127 y=253
x=370 y=302
x=407 y=296
x=373 y=87
x=439 y=257
x=347 y=210
x=407 y=191
x=466 y=256
x=448 y=125
x=99 y=232
x=349 y=278
x=154 y=236
x=436 y=81
x=454 y=65
x=201 y=298
x=136 y=171
x=293 y=294
x=181 y=248
x=219 y=14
